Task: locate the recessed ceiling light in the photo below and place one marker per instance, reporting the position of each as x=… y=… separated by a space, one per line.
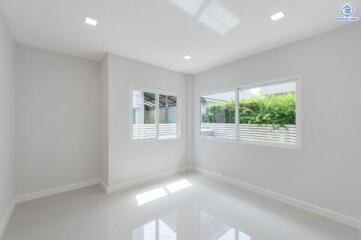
x=91 y=21
x=187 y=57
x=277 y=16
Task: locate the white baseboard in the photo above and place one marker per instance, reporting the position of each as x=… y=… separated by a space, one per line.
x=107 y=188
x=351 y=221
x=122 y=186
x=56 y=190
x=104 y=186
x=6 y=219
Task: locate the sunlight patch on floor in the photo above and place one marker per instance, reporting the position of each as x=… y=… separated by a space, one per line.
x=161 y=192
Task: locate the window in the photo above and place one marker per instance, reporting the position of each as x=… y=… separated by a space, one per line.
x=154 y=115
x=218 y=115
x=168 y=116
x=264 y=114
x=143 y=115
x=268 y=113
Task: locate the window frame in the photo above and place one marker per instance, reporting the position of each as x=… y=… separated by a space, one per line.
x=236 y=89
x=235 y=112
x=157 y=93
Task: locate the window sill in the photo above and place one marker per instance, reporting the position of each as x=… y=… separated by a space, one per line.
x=155 y=140
x=254 y=143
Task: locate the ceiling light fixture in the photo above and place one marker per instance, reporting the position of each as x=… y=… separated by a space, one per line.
x=187 y=57
x=91 y=21
x=277 y=16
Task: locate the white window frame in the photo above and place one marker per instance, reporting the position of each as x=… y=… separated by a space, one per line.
x=200 y=115
x=296 y=79
x=157 y=93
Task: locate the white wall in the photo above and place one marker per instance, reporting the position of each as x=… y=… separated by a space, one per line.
x=57 y=120
x=325 y=171
x=7 y=180
x=129 y=160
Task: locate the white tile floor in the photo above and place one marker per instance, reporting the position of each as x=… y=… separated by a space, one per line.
x=195 y=208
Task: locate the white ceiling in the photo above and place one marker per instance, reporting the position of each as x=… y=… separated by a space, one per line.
x=161 y=32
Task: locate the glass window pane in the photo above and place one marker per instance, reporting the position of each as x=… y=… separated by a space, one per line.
x=268 y=113
x=143 y=125
x=218 y=115
x=168 y=116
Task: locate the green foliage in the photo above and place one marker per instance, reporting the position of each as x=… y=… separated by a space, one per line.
x=220 y=111
x=276 y=110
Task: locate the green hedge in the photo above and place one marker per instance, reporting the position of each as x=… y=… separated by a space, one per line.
x=277 y=110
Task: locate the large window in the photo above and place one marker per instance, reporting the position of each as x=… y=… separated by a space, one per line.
x=262 y=114
x=154 y=115
x=268 y=113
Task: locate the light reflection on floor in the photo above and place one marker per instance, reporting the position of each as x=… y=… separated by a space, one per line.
x=213 y=228
x=151 y=195
x=161 y=228
x=164 y=228
x=196 y=209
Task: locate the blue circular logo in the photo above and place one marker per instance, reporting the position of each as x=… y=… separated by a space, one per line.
x=347 y=9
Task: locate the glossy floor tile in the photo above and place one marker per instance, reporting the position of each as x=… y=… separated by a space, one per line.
x=184 y=207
